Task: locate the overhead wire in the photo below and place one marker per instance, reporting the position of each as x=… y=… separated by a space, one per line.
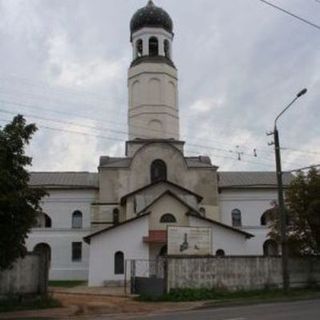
x=97 y=128
x=188 y=138
x=291 y=14
x=265 y=164
x=205 y=147
x=115 y=130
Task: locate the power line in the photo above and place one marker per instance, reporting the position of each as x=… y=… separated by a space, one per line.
x=305 y=168
x=97 y=128
x=107 y=128
x=116 y=123
x=301 y=151
x=291 y=14
x=102 y=128
x=264 y=163
x=120 y=140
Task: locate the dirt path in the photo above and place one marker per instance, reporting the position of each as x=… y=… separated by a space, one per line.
x=75 y=305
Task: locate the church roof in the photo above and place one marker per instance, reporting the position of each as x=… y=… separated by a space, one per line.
x=241 y=179
x=173 y=195
x=199 y=162
x=75 y=180
x=192 y=162
x=199 y=198
x=108 y=162
x=251 y=179
x=151 y=16
x=193 y=213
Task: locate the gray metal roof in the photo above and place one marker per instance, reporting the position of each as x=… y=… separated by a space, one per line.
x=108 y=162
x=192 y=162
x=199 y=162
x=64 y=179
x=242 y=179
x=251 y=179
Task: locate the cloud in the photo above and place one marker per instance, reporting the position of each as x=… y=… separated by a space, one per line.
x=239 y=62
x=206 y=104
x=65 y=68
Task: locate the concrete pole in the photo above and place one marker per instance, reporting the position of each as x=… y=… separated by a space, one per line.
x=282 y=212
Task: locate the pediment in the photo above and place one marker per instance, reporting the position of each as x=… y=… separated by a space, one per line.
x=145 y=196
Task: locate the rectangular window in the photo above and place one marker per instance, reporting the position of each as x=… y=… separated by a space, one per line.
x=76 y=251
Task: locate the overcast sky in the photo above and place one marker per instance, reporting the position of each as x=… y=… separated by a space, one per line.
x=240 y=62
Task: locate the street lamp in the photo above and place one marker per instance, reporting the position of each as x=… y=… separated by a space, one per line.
x=283 y=216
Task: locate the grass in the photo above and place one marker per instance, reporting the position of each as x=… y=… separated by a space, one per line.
x=180 y=295
x=66 y=284
x=18 y=303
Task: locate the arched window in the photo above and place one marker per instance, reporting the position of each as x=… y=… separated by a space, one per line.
x=202 y=210
x=236 y=218
x=220 y=253
x=166 y=46
x=153 y=46
x=139 y=48
x=119 y=262
x=43 y=221
x=267 y=216
x=270 y=248
x=116 y=216
x=44 y=250
x=47 y=221
x=77 y=220
x=168 y=218
x=158 y=171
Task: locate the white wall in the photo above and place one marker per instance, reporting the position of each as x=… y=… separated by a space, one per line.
x=231 y=242
x=59 y=206
x=126 y=238
x=252 y=204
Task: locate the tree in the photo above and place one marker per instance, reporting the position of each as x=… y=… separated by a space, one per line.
x=19 y=204
x=303 y=211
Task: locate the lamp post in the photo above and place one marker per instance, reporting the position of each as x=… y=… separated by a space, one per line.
x=283 y=216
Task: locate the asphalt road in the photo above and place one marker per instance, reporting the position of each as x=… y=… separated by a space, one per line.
x=300 y=310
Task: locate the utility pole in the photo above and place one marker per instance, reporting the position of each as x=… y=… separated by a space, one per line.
x=282 y=211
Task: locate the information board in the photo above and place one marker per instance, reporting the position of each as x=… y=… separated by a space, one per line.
x=189 y=241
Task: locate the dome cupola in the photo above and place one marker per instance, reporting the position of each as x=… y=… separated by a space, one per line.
x=151 y=16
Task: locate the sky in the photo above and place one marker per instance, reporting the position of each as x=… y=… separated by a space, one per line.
x=64 y=66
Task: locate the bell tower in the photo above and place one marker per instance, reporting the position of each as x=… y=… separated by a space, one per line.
x=152 y=78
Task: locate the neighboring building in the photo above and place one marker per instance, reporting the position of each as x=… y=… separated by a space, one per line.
x=122 y=212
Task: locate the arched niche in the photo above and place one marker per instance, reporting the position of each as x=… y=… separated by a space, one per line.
x=153 y=46
x=154 y=90
x=270 y=248
x=155 y=128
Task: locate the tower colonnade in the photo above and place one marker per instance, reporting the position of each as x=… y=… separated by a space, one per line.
x=152 y=42
x=153 y=111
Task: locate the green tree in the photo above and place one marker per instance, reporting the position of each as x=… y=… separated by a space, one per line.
x=303 y=211
x=19 y=204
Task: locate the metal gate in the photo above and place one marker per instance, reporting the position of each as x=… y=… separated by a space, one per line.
x=148 y=277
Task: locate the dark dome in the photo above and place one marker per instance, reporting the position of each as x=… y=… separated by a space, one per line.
x=151 y=16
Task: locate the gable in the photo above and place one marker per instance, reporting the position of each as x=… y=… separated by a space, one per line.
x=167 y=204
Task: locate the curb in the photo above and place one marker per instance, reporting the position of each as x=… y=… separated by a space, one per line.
x=244 y=302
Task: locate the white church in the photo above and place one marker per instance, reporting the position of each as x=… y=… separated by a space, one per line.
x=94 y=222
